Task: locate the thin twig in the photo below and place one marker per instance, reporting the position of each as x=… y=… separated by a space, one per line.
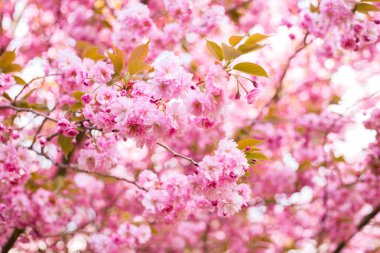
x=364 y=222
x=38 y=132
x=280 y=87
x=12 y=240
x=76 y=168
x=31 y=81
x=177 y=154
x=20 y=109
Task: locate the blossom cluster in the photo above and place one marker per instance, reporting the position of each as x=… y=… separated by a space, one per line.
x=189 y=126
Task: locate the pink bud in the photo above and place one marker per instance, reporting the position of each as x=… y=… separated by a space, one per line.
x=42 y=141
x=15 y=135
x=70 y=132
x=123 y=93
x=86 y=98
x=233 y=174
x=63 y=123
x=86 y=124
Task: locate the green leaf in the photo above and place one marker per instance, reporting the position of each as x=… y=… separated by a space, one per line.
x=249 y=47
x=6 y=62
x=11 y=68
x=251 y=44
x=248 y=142
x=136 y=62
x=92 y=52
x=39 y=107
x=214 y=49
x=137 y=67
x=78 y=95
x=235 y=39
x=75 y=107
x=7 y=58
x=256 y=156
x=256 y=38
x=373 y=1
x=140 y=53
x=314 y=9
x=5 y=95
x=66 y=144
x=229 y=53
x=365 y=8
x=118 y=59
x=251 y=68
x=19 y=80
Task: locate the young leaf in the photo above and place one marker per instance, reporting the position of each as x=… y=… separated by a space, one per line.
x=136 y=62
x=214 y=49
x=78 y=95
x=39 y=107
x=235 y=39
x=66 y=144
x=137 y=67
x=248 y=142
x=5 y=95
x=314 y=9
x=7 y=58
x=76 y=107
x=249 y=47
x=140 y=53
x=19 y=80
x=256 y=38
x=256 y=156
x=92 y=52
x=11 y=68
x=365 y=8
x=118 y=59
x=229 y=53
x=251 y=68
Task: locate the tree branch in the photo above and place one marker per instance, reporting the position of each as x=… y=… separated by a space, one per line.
x=280 y=87
x=12 y=240
x=364 y=222
x=31 y=81
x=20 y=109
x=177 y=154
x=76 y=168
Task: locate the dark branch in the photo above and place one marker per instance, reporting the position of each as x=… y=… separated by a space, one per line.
x=12 y=240
x=364 y=222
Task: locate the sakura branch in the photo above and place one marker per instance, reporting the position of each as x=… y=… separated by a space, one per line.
x=161 y=75
x=364 y=222
x=77 y=169
x=30 y=82
x=12 y=240
x=21 y=109
x=304 y=44
x=175 y=154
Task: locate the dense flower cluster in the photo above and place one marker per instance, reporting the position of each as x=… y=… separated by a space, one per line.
x=189 y=126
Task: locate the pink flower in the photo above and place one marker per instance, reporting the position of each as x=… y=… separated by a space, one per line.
x=101 y=72
x=6 y=81
x=230 y=204
x=106 y=95
x=86 y=98
x=251 y=96
x=67 y=128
